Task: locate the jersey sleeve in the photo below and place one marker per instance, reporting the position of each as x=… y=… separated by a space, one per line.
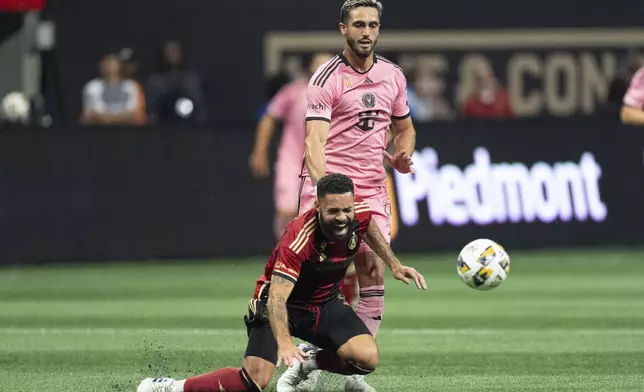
x=635 y=94
x=401 y=103
x=363 y=216
x=278 y=107
x=319 y=101
x=288 y=264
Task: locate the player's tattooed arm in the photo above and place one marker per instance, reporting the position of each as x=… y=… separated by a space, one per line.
x=279 y=292
x=374 y=238
x=317 y=132
x=376 y=241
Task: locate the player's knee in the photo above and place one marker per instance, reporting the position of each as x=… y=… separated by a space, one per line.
x=365 y=360
x=260 y=371
x=361 y=353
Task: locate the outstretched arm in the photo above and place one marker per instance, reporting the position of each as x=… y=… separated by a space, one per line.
x=379 y=245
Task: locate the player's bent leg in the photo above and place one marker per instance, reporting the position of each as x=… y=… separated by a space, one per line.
x=357 y=356
x=254 y=376
x=371 y=303
x=349 y=288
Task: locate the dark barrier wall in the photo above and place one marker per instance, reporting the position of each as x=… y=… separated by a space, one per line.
x=89 y=194
x=226 y=44
x=86 y=194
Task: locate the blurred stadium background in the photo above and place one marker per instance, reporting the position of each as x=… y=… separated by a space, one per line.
x=130 y=251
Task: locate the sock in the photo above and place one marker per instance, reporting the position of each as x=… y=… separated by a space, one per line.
x=331 y=362
x=371 y=306
x=225 y=379
x=349 y=288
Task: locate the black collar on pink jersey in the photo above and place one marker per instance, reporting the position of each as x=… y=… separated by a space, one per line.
x=348 y=64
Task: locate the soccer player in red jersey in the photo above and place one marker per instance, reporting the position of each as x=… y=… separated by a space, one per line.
x=353 y=100
x=289 y=106
x=298 y=295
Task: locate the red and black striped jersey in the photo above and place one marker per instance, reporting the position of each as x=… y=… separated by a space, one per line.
x=315 y=265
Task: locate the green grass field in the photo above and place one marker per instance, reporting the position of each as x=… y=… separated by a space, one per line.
x=563 y=321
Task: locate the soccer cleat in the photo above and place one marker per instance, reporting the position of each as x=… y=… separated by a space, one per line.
x=291 y=378
x=295 y=374
x=157 y=385
x=357 y=383
x=312 y=382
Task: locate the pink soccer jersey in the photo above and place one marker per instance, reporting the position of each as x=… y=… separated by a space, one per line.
x=289 y=105
x=635 y=94
x=359 y=107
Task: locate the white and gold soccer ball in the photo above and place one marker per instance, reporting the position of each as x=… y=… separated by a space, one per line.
x=483 y=264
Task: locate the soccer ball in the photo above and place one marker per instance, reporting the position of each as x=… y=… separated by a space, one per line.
x=16 y=107
x=483 y=264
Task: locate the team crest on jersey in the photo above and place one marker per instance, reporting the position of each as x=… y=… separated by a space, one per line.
x=353 y=242
x=347 y=81
x=368 y=100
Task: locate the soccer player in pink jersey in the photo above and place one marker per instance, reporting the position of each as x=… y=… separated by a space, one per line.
x=633 y=107
x=288 y=106
x=353 y=99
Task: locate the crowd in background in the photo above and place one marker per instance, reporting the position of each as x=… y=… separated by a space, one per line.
x=173 y=93
x=478 y=93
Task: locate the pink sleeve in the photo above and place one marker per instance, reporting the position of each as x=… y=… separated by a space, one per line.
x=319 y=101
x=279 y=105
x=401 y=105
x=635 y=94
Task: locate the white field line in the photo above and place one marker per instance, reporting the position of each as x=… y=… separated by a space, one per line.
x=242 y=332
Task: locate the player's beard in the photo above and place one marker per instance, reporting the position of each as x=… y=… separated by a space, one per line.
x=334 y=230
x=358 y=50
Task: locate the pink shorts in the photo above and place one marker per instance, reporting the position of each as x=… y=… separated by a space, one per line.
x=287 y=186
x=377 y=198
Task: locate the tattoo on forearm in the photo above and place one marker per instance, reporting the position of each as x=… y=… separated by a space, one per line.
x=380 y=246
x=277 y=311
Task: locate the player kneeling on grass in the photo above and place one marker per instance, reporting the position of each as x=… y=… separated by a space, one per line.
x=298 y=296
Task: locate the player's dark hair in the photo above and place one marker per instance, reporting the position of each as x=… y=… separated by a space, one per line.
x=350 y=5
x=334 y=184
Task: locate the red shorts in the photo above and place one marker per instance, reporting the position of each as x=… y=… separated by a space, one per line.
x=377 y=198
x=287 y=186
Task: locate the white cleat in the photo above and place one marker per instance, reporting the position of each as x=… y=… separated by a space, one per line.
x=357 y=383
x=292 y=378
x=157 y=385
x=312 y=382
